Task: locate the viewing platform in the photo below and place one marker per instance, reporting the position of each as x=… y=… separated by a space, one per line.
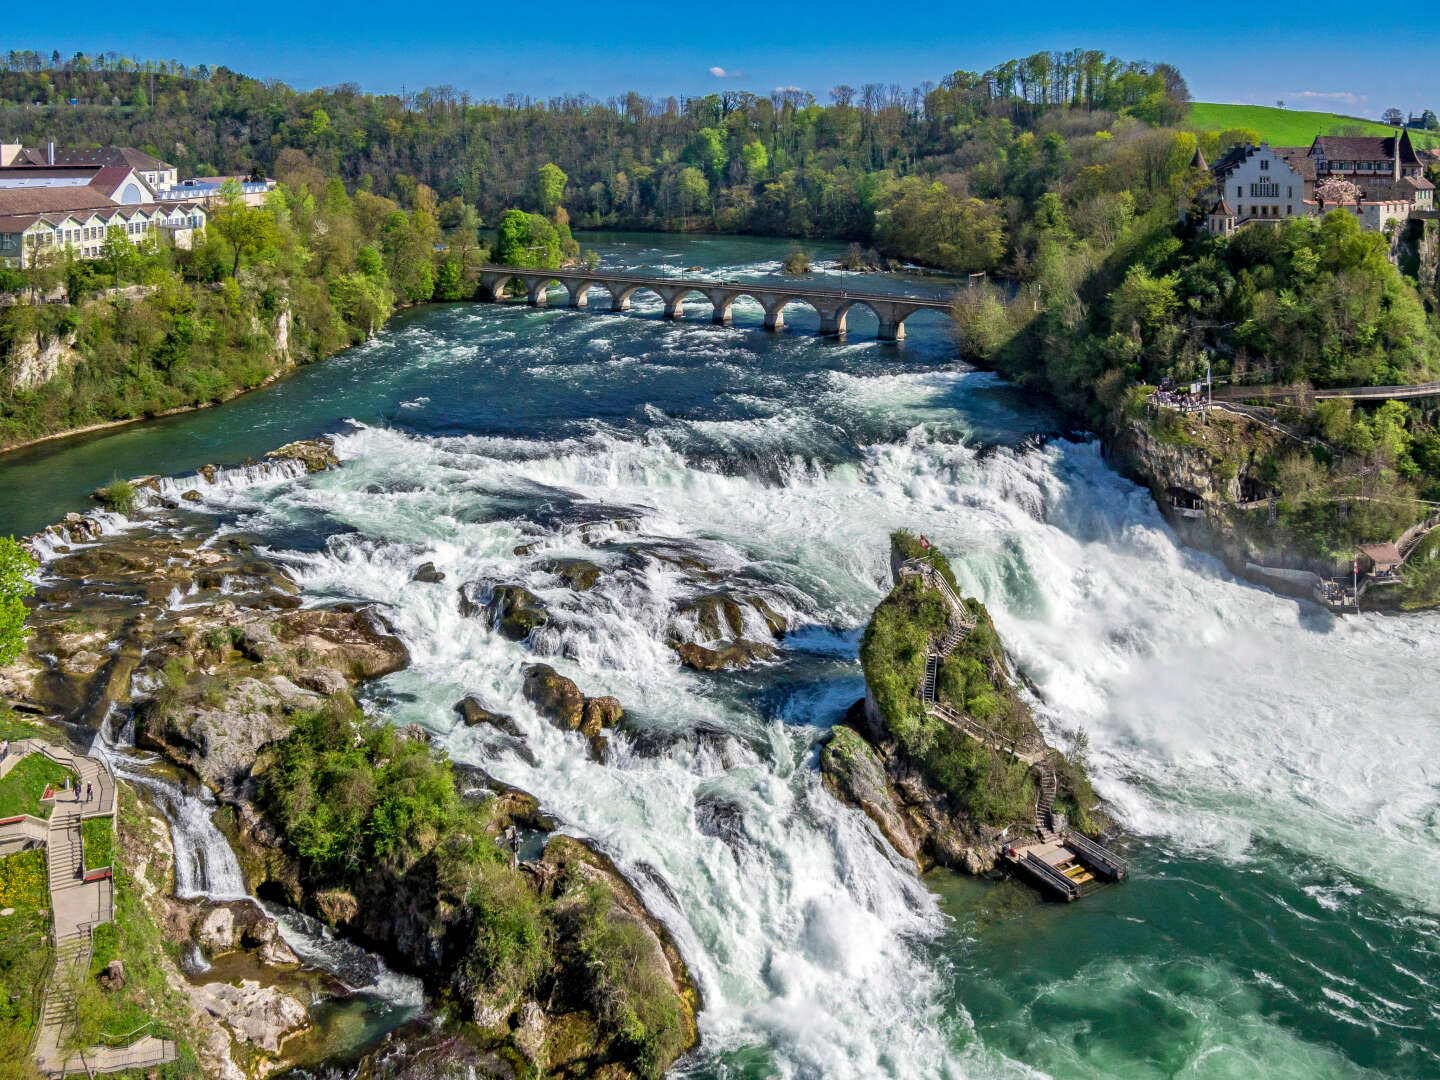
x=1067 y=868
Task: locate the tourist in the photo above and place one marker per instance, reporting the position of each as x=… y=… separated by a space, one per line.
x=4 y=749
x=88 y=790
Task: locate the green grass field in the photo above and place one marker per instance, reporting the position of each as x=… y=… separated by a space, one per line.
x=1292 y=127
x=23 y=785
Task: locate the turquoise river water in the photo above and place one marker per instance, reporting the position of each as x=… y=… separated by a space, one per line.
x=1276 y=771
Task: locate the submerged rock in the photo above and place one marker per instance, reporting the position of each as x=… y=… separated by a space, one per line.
x=512 y=609
x=723 y=654
x=579 y=574
x=427 y=573
x=472 y=712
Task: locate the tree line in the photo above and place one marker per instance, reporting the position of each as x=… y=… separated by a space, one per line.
x=777 y=164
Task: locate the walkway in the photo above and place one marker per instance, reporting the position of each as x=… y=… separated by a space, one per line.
x=1032 y=750
x=78 y=902
x=833 y=305
x=1273 y=392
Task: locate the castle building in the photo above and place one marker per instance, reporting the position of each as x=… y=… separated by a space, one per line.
x=1267 y=184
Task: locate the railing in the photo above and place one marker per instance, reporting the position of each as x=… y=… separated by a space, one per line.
x=600 y=276
x=1049 y=876
x=1104 y=860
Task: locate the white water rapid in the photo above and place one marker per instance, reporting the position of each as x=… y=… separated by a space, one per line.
x=1218 y=715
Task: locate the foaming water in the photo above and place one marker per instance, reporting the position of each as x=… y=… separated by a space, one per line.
x=1273 y=765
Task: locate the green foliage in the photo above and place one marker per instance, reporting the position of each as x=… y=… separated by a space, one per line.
x=623 y=988
x=528 y=241
x=993 y=787
x=25 y=958
x=98 y=840
x=937 y=225
x=353 y=797
x=22 y=787
x=16 y=566
x=550 y=183
x=118 y=496
x=25 y=881
x=797 y=261
x=770 y=164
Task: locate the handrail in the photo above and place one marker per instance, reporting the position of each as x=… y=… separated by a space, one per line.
x=601 y=276
x=1047 y=872
x=1104 y=856
x=126 y=1035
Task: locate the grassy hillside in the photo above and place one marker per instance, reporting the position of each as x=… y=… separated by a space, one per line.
x=1292 y=127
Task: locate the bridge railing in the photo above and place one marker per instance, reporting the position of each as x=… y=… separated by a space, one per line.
x=601 y=276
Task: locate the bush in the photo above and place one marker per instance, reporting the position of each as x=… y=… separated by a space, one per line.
x=797 y=261
x=118 y=496
x=624 y=989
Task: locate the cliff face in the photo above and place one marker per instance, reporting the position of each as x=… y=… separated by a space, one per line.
x=1219 y=463
x=35 y=360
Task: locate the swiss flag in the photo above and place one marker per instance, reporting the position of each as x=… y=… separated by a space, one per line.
x=924 y=544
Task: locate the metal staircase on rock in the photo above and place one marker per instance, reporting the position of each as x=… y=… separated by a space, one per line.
x=1032 y=751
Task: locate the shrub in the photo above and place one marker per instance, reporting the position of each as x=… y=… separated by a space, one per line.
x=118 y=496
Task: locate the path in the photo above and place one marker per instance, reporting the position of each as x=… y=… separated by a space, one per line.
x=78 y=902
x=1274 y=392
x=1031 y=750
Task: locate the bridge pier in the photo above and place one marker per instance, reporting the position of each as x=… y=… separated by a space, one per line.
x=538 y=294
x=892 y=330
x=721 y=302
x=832 y=321
x=674 y=301
x=579 y=292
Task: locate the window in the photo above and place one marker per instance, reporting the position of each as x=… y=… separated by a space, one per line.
x=1239 y=191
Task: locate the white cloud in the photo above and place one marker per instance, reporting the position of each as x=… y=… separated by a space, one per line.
x=784 y=89
x=1339 y=97
x=721 y=73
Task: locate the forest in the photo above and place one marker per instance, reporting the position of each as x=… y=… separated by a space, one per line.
x=862 y=166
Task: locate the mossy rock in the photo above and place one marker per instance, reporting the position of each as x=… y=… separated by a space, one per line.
x=724 y=654
x=554 y=696
x=579 y=574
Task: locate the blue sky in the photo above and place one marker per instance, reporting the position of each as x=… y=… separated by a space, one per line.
x=604 y=49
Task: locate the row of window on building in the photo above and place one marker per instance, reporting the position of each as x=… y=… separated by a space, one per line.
x=98 y=232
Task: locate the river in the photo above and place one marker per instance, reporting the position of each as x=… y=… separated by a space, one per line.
x=1275 y=769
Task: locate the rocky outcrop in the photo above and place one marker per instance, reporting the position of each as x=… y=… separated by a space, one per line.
x=512 y=609
x=560 y=701
x=919 y=822
x=472 y=712
x=264 y=1016
x=726 y=628
x=578 y=574
x=34 y=362
x=723 y=654
x=222 y=927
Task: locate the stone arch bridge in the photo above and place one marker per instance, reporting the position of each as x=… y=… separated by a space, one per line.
x=833 y=305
